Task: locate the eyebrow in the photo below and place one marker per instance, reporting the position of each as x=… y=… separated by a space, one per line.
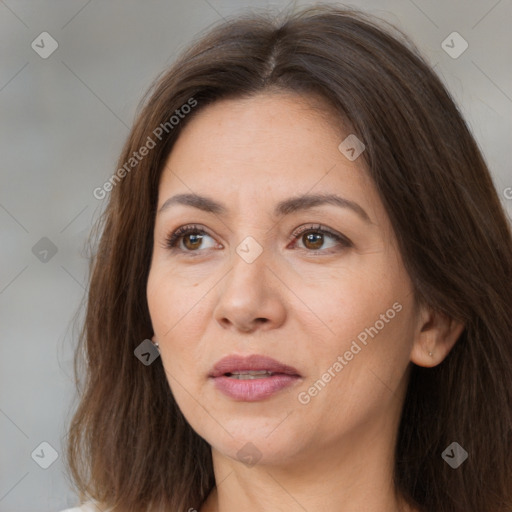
x=285 y=207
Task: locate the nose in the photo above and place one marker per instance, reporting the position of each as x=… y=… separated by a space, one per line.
x=251 y=297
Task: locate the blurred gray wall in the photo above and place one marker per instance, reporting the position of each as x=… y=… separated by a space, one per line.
x=63 y=118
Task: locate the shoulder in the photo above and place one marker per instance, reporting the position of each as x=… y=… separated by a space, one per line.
x=86 y=507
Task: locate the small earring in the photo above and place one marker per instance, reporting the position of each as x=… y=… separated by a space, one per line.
x=430 y=354
x=156 y=344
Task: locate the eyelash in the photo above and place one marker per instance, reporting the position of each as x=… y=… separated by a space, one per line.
x=172 y=238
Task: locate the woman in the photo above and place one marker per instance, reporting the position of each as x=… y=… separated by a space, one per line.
x=301 y=297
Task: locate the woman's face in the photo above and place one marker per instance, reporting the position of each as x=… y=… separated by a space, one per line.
x=318 y=286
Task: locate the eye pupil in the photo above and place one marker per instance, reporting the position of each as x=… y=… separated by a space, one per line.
x=315 y=238
x=195 y=238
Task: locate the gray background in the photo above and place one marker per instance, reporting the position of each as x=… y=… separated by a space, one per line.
x=63 y=120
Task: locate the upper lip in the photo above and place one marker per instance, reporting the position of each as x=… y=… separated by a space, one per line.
x=254 y=362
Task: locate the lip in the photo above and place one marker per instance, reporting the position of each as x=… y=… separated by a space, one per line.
x=252 y=390
x=254 y=362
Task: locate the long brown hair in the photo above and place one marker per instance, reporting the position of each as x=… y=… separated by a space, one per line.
x=129 y=445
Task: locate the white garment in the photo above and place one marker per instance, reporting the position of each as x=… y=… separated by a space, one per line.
x=86 y=507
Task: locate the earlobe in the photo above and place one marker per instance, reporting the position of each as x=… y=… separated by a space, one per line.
x=155 y=342
x=435 y=336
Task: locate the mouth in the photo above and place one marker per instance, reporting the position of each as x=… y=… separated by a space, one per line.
x=248 y=375
x=253 y=366
x=252 y=378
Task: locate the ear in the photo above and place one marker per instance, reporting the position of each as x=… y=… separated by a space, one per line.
x=435 y=335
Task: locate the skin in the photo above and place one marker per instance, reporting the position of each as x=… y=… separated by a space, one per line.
x=314 y=300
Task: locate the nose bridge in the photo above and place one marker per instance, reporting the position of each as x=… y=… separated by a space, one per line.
x=251 y=253
x=249 y=268
x=247 y=296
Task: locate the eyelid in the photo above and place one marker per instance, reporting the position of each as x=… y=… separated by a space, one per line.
x=318 y=228
x=178 y=233
x=174 y=236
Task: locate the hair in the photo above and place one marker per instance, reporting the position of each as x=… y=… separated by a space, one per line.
x=129 y=445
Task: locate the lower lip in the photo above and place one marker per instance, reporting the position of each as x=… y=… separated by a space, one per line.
x=252 y=390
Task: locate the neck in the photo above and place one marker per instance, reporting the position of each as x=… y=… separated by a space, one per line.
x=352 y=477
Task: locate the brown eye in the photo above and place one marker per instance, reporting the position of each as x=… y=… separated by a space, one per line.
x=192 y=241
x=313 y=241
x=317 y=239
x=189 y=239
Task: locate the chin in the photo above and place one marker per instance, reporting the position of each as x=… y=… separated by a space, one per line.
x=254 y=442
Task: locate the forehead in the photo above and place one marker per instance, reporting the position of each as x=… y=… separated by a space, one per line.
x=270 y=120
x=275 y=144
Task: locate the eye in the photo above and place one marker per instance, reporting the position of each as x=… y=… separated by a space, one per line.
x=313 y=238
x=190 y=239
x=191 y=236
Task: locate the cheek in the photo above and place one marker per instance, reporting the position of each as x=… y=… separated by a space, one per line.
x=178 y=314
x=376 y=350
x=174 y=318
x=354 y=300
x=366 y=319
x=161 y=302
x=171 y=300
